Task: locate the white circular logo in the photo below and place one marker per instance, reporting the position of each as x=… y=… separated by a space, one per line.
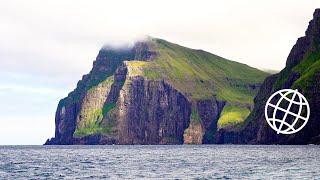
x=287 y=111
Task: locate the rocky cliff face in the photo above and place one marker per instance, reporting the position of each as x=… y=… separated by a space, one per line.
x=151 y=112
x=302 y=72
x=152 y=93
x=83 y=108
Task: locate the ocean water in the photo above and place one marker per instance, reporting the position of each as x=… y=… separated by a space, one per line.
x=160 y=162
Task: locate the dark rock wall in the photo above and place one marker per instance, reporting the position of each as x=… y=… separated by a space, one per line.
x=151 y=112
x=209 y=112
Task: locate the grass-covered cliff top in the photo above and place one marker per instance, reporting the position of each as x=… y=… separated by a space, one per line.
x=199 y=74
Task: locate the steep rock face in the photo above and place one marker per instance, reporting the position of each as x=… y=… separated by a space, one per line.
x=92 y=105
x=209 y=112
x=151 y=112
x=301 y=72
x=204 y=119
x=92 y=92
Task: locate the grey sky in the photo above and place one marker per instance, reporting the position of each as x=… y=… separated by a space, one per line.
x=46 y=46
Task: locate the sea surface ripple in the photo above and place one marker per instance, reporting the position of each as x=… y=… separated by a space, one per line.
x=160 y=162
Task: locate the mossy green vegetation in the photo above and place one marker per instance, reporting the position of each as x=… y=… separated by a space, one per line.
x=202 y=75
x=106 y=82
x=195 y=116
x=282 y=77
x=233 y=116
x=135 y=68
x=96 y=125
x=307 y=68
x=107 y=107
x=93 y=128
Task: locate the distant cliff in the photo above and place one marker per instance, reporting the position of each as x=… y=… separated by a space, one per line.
x=156 y=92
x=302 y=72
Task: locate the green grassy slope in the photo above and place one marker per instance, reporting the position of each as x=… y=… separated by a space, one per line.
x=308 y=68
x=201 y=75
x=232 y=116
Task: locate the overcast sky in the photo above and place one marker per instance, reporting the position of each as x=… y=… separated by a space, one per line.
x=46 y=46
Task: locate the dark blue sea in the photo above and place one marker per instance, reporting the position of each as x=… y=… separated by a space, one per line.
x=160 y=162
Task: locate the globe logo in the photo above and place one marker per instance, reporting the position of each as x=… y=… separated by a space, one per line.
x=287 y=111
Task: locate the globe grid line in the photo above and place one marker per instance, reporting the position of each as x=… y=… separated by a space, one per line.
x=288 y=110
x=291 y=113
x=294 y=102
x=277 y=105
x=302 y=102
x=287 y=124
x=300 y=108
